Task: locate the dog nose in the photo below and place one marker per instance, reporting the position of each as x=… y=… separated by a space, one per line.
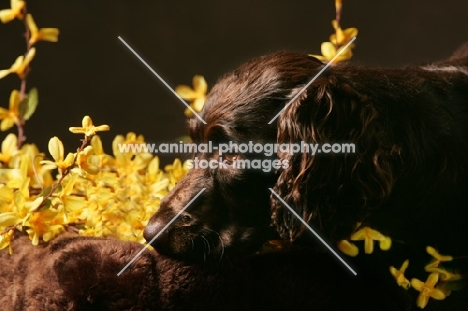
x=154 y=233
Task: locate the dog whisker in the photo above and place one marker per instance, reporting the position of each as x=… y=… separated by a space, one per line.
x=206 y=243
x=221 y=241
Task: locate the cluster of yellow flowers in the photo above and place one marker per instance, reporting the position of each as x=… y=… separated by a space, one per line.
x=439 y=275
x=99 y=194
x=93 y=193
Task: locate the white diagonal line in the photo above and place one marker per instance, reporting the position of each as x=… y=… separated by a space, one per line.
x=315 y=233
x=159 y=233
x=161 y=79
x=313 y=79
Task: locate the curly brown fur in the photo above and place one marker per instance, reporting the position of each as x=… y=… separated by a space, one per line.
x=76 y=273
x=80 y=273
x=408 y=178
x=410 y=129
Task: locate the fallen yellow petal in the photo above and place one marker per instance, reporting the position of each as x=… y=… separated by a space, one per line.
x=348 y=248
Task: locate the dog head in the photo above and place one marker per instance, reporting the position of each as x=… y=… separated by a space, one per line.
x=236 y=210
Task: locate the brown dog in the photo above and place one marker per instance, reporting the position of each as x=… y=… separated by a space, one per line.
x=407 y=177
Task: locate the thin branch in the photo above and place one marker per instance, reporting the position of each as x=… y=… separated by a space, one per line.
x=64 y=174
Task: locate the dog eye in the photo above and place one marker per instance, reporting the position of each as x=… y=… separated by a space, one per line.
x=231 y=157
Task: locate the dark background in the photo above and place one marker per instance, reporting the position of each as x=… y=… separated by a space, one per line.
x=89 y=71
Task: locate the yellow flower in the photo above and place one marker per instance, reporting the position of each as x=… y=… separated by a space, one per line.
x=40 y=176
x=20 y=65
x=43 y=34
x=6 y=239
x=342 y=37
x=399 y=275
x=57 y=152
x=19 y=173
x=43 y=224
x=437 y=258
x=445 y=275
x=176 y=172
x=427 y=290
x=348 y=248
x=369 y=235
x=88 y=161
x=6 y=199
x=196 y=96
x=72 y=204
x=128 y=162
x=329 y=51
x=10 y=117
x=9 y=148
x=104 y=159
x=8 y=15
x=21 y=211
x=88 y=128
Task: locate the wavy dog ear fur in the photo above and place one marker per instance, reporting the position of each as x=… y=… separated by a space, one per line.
x=332 y=192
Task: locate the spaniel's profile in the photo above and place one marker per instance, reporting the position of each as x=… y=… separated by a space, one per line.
x=408 y=177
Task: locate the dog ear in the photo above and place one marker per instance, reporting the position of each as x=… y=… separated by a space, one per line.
x=331 y=191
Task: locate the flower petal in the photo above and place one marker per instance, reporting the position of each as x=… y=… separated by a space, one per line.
x=14 y=101
x=328 y=50
x=188 y=112
x=101 y=128
x=417 y=284
x=4 y=73
x=422 y=301
x=348 y=248
x=368 y=246
x=96 y=143
x=199 y=85
x=31 y=24
x=432 y=279
x=9 y=144
x=6 y=124
x=49 y=34
x=437 y=294
x=185 y=92
x=56 y=149
x=87 y=122
x=6 y=16
x=359 y=235
x=350 y=32
x=198 y=104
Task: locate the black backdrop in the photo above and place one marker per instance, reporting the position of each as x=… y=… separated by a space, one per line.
x=89 y=71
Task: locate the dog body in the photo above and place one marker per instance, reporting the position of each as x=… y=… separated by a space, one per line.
x=80 y=273
x=407 y=177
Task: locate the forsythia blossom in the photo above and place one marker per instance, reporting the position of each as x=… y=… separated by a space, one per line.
x=196 y=96
x=16 y=6
x=43 y=34
x=115 y=196
x=369 y=236
x=87 y=128
x=427 y=290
